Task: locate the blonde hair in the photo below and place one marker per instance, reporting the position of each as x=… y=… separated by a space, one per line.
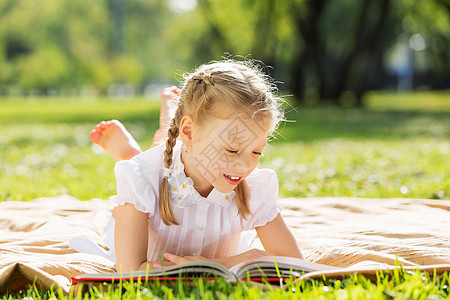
x=205 y=93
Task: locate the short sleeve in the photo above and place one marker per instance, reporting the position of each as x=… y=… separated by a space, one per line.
x=264 y=203
x=133 y=187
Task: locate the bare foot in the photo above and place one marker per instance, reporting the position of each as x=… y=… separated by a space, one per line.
x=115 y=140
x=169 y=104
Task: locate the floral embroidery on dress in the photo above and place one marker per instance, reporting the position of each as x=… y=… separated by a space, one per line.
x=181 y=190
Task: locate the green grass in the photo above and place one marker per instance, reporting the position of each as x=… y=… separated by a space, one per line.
x=396 y=285
x=396 y=147
x=320 y=151
x=46 y=149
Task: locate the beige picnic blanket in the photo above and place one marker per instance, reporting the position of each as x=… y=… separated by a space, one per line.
x=363 y=234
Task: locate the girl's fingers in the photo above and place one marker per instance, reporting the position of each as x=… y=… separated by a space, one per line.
x=158 y=265
x=179 y=260
x=174 y=258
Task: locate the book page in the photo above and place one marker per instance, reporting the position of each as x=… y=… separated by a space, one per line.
x=287 y=266
x=192 y=268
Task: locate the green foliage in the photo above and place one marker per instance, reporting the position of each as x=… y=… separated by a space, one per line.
x=45 y=68
x=431 y=20
x=61 y=44
x=52 y=46
x=122 y=69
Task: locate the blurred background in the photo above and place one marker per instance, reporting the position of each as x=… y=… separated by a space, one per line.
x=367 y=84
x=319 y=50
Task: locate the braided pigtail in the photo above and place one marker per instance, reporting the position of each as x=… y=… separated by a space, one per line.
x=242 y=196
x=165 y=209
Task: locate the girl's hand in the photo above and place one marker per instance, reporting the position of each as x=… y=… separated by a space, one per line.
x=255 y=253
x=245 y=256
x=227 y=262
x=155 y=265
x=175 y=259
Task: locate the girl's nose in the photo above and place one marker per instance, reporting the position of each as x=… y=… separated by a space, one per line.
x=242 y=163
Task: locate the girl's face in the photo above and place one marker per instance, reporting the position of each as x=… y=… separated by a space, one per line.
x=224 y=152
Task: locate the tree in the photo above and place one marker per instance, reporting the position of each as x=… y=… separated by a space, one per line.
x=332 y=47
x=320 y=49
x=350 y=62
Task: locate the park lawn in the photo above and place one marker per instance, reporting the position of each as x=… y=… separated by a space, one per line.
x=318 y=151
x=384 y=150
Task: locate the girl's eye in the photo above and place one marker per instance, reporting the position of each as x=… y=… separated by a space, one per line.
x=232 y=151
x=237 y=152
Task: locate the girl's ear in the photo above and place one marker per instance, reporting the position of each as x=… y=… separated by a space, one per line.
x=186 y=130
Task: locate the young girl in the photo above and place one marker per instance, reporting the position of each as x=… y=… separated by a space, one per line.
x=192 y=197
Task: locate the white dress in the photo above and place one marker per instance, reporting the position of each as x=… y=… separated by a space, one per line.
x=209 y=227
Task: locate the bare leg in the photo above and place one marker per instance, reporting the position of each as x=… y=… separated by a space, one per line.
x=169 y=99
x=113 y=137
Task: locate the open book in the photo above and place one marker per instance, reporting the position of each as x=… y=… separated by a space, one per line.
x=270 y=268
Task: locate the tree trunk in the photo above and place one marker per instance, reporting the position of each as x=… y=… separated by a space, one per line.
x=343 y=73
x=307 y=21
x=298 y=77
x=374 y=55
x=117 y=9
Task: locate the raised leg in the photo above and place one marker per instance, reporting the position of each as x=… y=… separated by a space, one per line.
x=115 y=139
x=169 y=103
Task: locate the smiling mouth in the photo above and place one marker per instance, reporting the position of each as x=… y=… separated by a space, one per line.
x=232 y=179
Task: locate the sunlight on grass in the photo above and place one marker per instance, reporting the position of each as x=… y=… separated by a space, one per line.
x=324 y=151
x=438 y=101
x=371 y=168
